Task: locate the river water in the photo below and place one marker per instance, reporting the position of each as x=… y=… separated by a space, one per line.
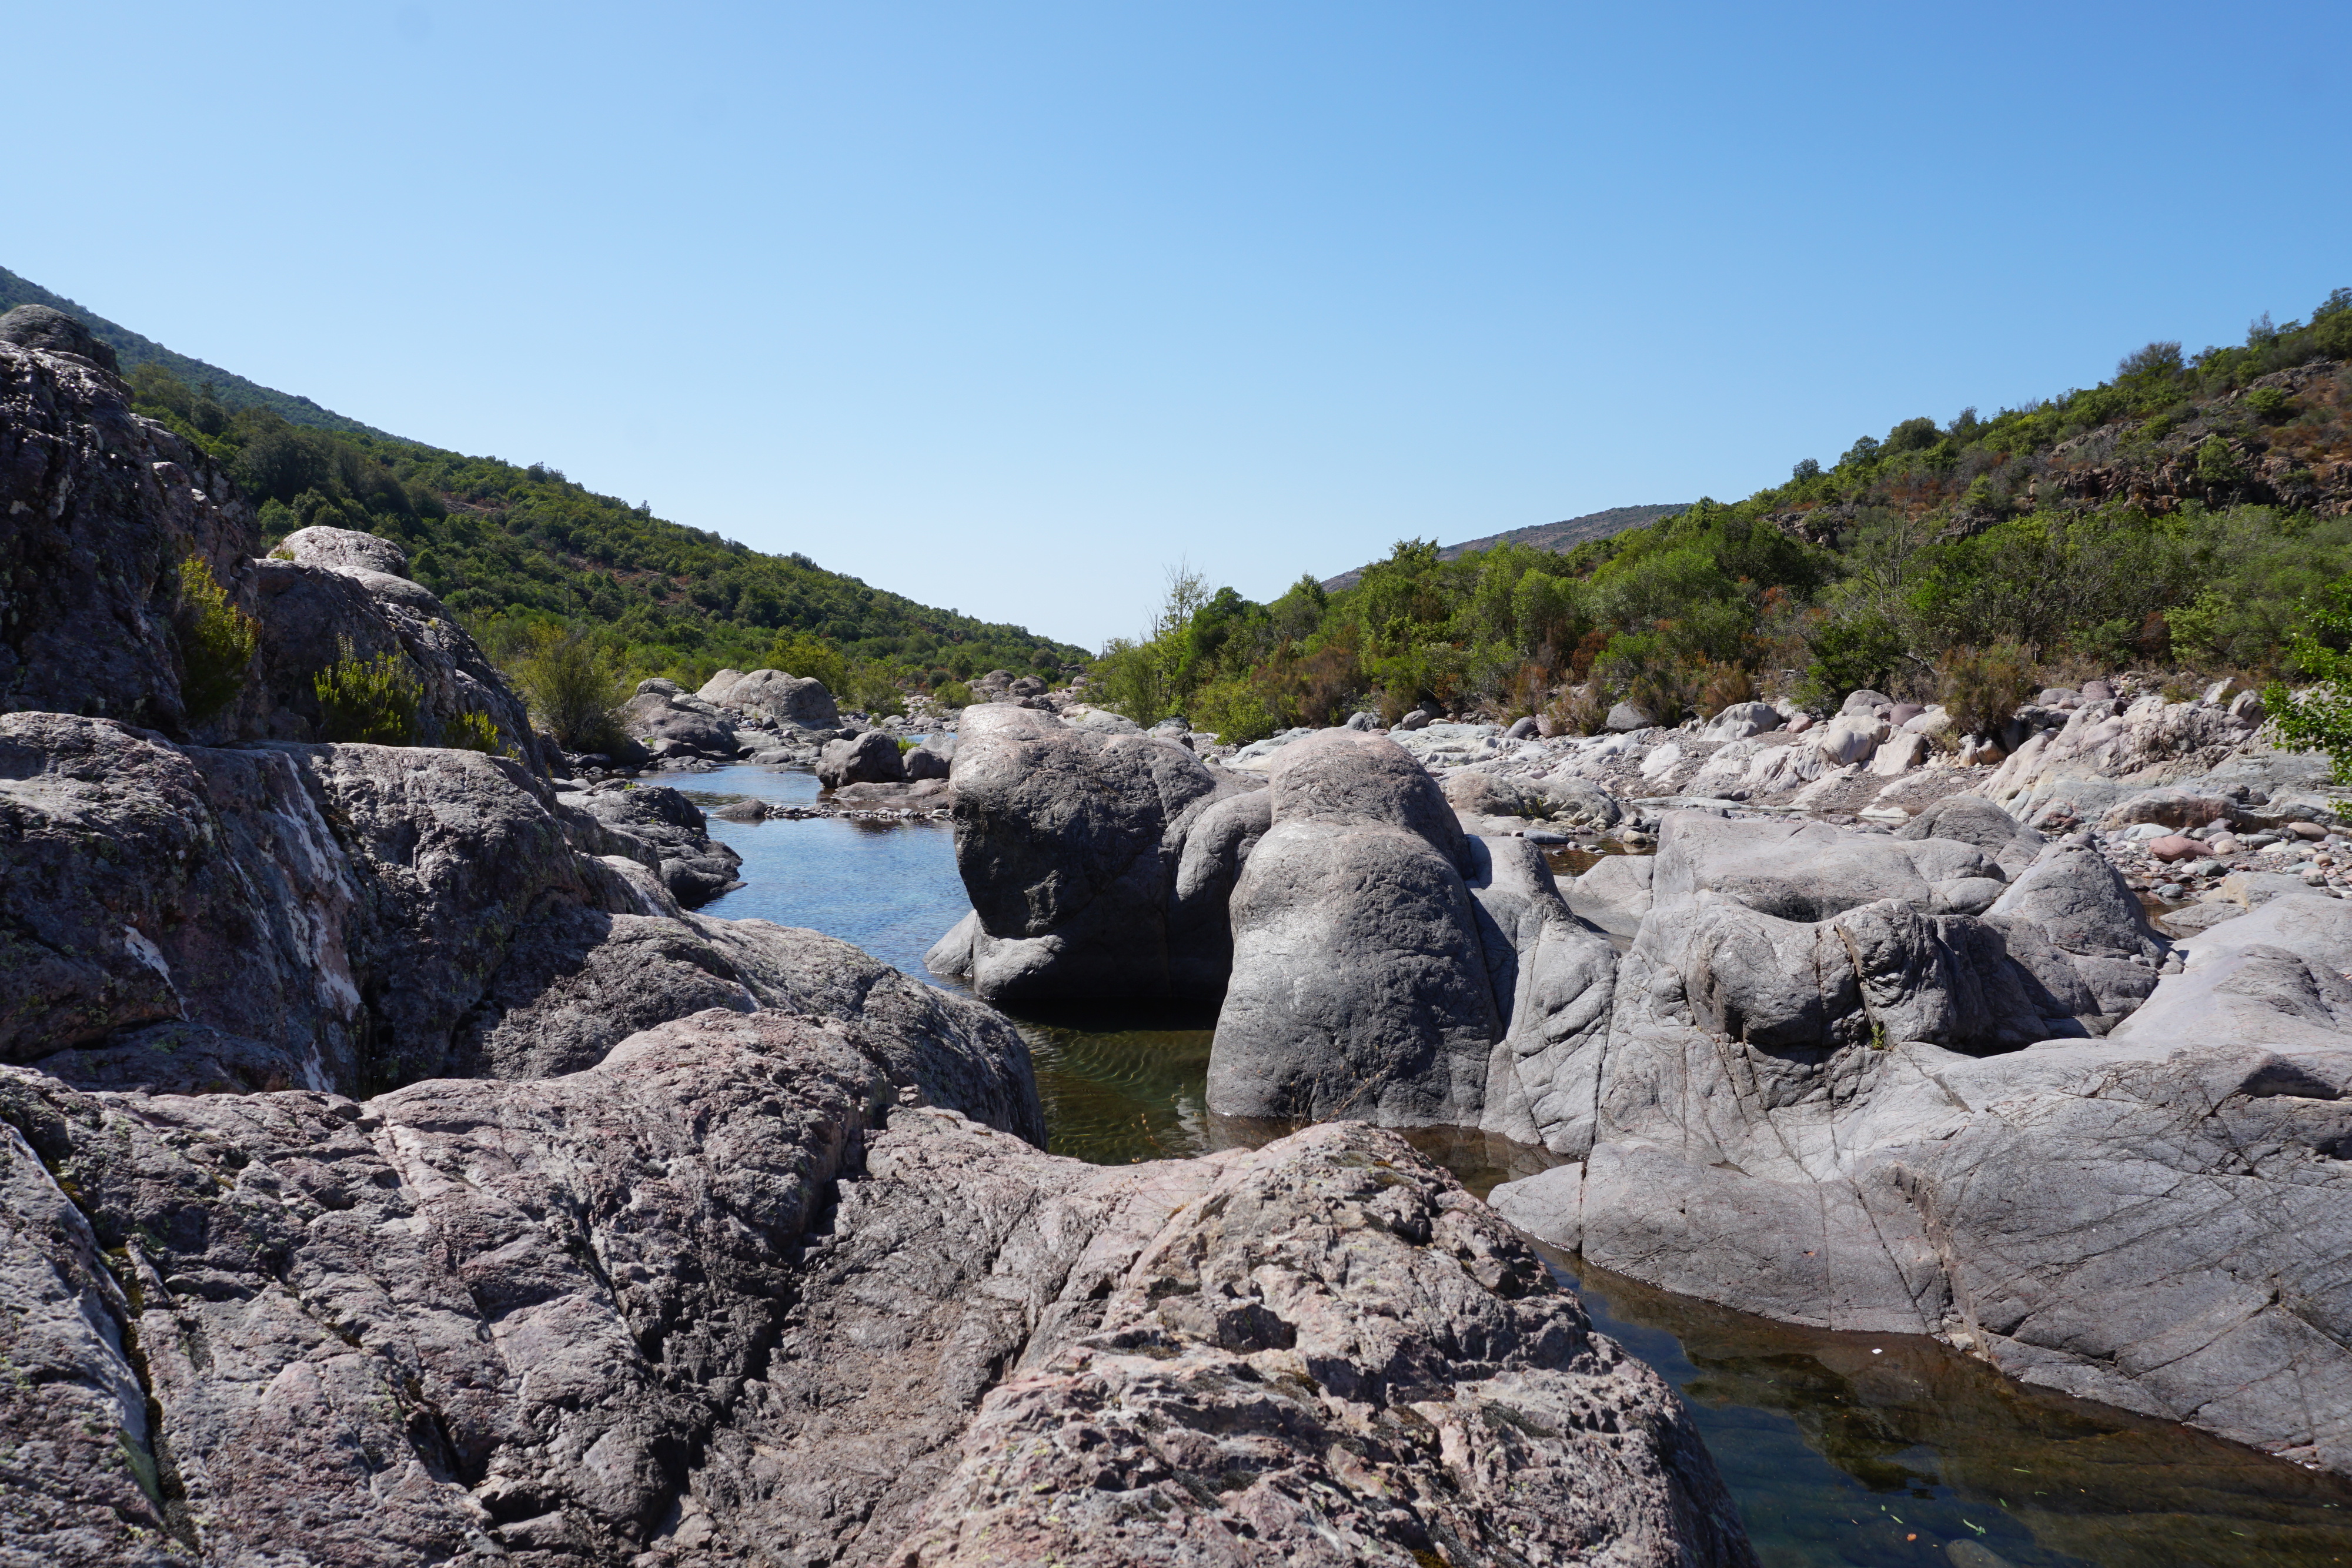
x=1852 y=1450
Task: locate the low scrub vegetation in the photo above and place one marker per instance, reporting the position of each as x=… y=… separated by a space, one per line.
x=2177 y=515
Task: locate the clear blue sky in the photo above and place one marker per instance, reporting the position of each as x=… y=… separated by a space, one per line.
x=1003 y=305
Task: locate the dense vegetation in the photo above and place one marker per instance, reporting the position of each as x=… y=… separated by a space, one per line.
x=2182 y=514
x=520 y=554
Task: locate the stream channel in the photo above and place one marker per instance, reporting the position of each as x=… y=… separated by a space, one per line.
x=1840 y=1448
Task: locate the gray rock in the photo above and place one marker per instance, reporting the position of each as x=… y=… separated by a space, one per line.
x=783 y=698
x=692 y=866
x=1865 y=702
x=1069 y=843
x=98 y=509
x=345 y=549
x=657 y=720
x=1613 y=894
x=1741 y=720
x=872 y=757
x=930 y=761
x=2133 y=1220
x=1386 y=967
x=1625 y=716
x=1416 y=719
x=1971 y=820
x=1770 y=1127
x=1522 y=729
x=1361 y=720
x=616 y=1313
x=52 y=330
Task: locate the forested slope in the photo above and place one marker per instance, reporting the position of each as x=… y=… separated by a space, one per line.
x=506 y=546
x=2180 y=516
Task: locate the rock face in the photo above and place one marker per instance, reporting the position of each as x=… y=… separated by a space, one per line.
x=720 y=1297
x=349 y=917
x=1386 y=966
x=2107 y=752
x=339 y=590
x=1828 y=1119
x=1077 y=849
x=98 y=508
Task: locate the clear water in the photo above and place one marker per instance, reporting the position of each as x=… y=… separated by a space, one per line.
x=1841 y=1450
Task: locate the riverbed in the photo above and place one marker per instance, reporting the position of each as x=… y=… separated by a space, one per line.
x=1840 y=1449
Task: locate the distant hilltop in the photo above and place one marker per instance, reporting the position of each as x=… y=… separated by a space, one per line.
x=1544 y=536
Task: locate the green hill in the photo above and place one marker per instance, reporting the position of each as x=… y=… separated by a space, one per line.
x=2183 y=516
x=507 y=547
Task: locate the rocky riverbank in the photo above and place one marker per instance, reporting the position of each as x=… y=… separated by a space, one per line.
x=1928 y=1070
x=395 y=1169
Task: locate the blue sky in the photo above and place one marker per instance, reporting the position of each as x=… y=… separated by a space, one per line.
x=1004 y=307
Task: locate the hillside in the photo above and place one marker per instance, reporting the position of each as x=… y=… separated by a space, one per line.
x=2187 y=515
x=232 y=391
x=508 y=546
x=1557 y=535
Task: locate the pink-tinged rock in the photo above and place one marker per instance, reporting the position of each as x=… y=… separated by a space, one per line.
x=2176 y=847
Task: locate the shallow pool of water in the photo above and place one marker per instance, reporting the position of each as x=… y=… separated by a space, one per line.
x=1841 y=1450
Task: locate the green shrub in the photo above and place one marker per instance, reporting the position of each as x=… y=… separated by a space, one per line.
x=369 y=701
x=953 y=694
x=1235 y=711
x=2268 y=402
x=2216 y=463
x=1852 y=656
x=571 y=686
x=217 y=642
x=474 y=732
x=803 y=655
x=873 y=691
x=2320 y=719
x=1981 y=691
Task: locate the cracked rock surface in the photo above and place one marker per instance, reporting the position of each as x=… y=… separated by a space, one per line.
x=724 y=1299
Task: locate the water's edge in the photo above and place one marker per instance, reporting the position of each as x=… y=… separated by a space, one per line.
x=1840 y=1449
